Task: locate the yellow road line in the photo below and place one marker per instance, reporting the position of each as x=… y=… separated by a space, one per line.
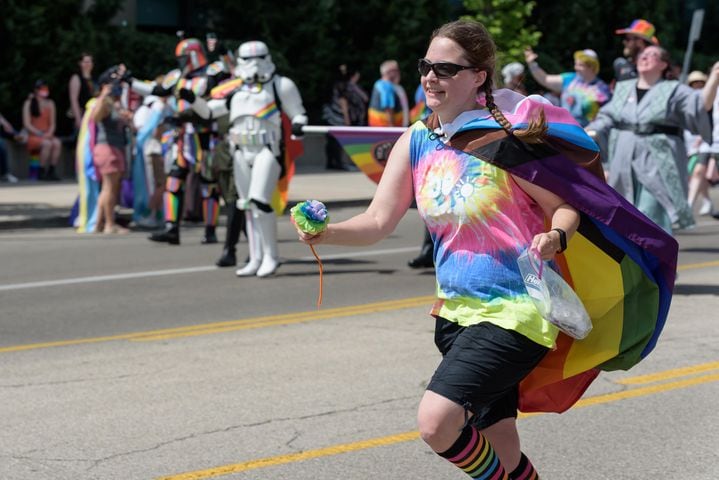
x=691 y=266
x=666 y=375
x=258 y=322
x=414 y=435
x=295 y=457
x=242 y=324
x=284 y=319
x=641 y=391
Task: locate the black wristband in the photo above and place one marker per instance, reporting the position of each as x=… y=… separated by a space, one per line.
x=562 y=239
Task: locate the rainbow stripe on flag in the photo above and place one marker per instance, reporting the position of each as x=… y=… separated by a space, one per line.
x=368 y=147
x=621 y=264
x=87 y=181
x=293 y=148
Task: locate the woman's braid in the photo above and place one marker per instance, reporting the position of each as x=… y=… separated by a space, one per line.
x=535 y=131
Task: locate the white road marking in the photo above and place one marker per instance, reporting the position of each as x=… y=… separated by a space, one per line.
x=181 y=271
x=104 y=278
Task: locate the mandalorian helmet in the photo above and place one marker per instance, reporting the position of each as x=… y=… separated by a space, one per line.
x=190 y=55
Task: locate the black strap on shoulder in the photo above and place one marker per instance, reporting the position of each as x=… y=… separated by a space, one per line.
x=278 y=102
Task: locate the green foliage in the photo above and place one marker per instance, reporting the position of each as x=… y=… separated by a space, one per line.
x=570 y=25
x=509 y=23
x=308 y=40
x=311 y=39
x=44 y=39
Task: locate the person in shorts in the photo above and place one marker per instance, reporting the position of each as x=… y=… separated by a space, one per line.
x=480 y=217
x=112 y=122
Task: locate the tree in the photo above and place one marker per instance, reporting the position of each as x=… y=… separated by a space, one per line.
x=508 y=23
x=44 y=39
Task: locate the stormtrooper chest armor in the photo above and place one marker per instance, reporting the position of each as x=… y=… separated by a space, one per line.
x=254 y=116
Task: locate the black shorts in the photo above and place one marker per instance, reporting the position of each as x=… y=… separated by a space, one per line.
x=481 y=368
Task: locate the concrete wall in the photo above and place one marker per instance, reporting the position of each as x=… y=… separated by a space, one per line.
x=19 y=160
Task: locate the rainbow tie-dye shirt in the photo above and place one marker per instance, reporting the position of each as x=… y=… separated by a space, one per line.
x=583 y=99
x=480 y=221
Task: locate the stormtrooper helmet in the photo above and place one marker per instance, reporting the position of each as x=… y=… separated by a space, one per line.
x=254 y=62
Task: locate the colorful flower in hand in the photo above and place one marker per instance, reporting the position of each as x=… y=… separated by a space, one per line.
x=310 y=216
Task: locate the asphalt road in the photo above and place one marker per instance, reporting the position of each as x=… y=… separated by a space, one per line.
x=123 y=359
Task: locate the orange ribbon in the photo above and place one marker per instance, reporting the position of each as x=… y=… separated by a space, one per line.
x=319 y=262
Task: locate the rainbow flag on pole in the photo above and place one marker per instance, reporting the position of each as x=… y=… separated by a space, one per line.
x=368 y=147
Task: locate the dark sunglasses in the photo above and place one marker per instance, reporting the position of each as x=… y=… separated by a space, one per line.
x=440 y=69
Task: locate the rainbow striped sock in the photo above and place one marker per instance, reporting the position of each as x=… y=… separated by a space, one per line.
x=211 y=211
x=475 y=456
x=524 y=471
x=172 y=206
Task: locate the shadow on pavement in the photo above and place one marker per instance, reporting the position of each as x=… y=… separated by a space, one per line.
x=696 y=289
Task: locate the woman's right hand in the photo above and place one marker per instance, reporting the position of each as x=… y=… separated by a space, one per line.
x=308 y=238
x=529 y=55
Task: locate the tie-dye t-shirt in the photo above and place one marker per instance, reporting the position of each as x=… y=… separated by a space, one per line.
x=480 y=221
x=583 y=99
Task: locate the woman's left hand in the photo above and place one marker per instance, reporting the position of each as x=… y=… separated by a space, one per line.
x=547 y=243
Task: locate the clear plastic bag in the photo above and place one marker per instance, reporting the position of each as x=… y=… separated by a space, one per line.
x=554 y=298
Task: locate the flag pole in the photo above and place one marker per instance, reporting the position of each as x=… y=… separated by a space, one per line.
x=694 y=33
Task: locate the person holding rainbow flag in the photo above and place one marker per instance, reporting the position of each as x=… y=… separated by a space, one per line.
x=494 y=173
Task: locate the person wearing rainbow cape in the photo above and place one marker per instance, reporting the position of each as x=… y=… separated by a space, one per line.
x=493 y=173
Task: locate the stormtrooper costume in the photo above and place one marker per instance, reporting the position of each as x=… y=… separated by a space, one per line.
x=192 y=136
x=255 y=107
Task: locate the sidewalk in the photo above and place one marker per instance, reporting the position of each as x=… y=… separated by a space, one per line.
x=48 y=204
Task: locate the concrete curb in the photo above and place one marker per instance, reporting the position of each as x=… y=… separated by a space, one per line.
x=60 y=217
x=48 y=205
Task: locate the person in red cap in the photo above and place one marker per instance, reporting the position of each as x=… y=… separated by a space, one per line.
x=637 y=36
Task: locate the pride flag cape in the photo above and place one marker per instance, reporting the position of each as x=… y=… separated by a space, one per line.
x=140 y=186
x=621 y=265
x=87 y=181
x=368 y=147
x=293 y=148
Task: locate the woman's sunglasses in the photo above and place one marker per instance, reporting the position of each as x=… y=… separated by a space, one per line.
x=440 y=69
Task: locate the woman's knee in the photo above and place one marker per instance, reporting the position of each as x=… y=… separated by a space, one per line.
x=439 y=421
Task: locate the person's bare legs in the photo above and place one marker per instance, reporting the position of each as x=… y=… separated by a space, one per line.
x=46 y=151
x=55 y=150
x=504 y=438
x=699 y=189
x=108 y=200
x=695 y=181
x=440 y=421
x=443 y=426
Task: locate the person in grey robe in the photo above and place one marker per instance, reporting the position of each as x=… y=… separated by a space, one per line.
x=640 y=134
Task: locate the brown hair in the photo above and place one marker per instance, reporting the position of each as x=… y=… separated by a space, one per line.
x=665 y=56
x=479 y=49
